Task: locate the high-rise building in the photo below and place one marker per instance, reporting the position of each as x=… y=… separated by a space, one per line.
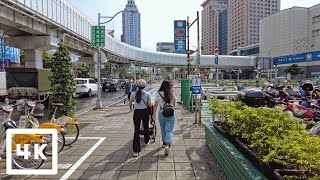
x=131 y=30
x=244 y=20
x=210 y=13
x=223 y=32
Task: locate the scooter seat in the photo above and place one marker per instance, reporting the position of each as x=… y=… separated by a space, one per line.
x=37 y=115
x=7 y=109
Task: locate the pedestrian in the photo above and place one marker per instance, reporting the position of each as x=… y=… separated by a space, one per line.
x=164 y=98
x=142 y=101
x=129 y=88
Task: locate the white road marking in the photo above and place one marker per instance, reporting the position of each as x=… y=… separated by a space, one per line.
x=83 y=158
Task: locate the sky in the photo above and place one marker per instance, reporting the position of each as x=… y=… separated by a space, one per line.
x=157 y=16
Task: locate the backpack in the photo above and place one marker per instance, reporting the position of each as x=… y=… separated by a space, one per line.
x=167 y=109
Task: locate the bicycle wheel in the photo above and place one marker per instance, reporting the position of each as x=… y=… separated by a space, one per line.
x=61 y=143
x=71 y=133
x=20 y=163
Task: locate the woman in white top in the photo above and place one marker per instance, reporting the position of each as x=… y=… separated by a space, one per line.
x=165 y=95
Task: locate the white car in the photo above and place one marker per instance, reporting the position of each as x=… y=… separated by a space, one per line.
x=86 y=86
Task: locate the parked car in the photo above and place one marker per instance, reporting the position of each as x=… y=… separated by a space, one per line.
x=86 y=86
x=111 y=85
x=123 y=83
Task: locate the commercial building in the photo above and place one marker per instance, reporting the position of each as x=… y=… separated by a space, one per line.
x=223 y=32
x=251 y=50
x=244 y=20
x=293 y=36
x=131 y=28
x=8 y=55
x=167 y=47
x=210 y=19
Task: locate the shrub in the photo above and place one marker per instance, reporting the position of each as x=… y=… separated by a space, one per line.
x=272 y=135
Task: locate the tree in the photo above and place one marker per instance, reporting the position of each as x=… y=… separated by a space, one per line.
x=105 y=67
x=83 y=70
x=22 y=58
x=47 y=60
x=62 y=83
x=294 y=70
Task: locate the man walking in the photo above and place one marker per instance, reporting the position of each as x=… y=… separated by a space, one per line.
x=130 y=87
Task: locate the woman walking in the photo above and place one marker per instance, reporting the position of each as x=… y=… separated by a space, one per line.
x=142 y=101
x=166 y=100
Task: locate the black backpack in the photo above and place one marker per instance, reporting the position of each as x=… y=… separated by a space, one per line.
x=167 y=109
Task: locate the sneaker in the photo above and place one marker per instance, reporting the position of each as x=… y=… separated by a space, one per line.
x=166 y=150
x=135 y=154
x=164 y=145
x=146 y=144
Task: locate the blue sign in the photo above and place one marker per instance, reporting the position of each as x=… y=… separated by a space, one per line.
x=196 y=85
x=7 y=64
x=315 y=74
x=180 y=35
x=216 y=60
x=196 y=89
x=298 y=58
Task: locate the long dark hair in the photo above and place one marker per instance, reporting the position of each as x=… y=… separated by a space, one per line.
x=139 y=94
x=166 y=88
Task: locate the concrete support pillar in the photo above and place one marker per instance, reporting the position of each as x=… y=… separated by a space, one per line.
x=93 y=70
x=211 y=75
x=33 y=59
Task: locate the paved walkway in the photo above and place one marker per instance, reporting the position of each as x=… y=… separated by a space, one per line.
x=104 y=151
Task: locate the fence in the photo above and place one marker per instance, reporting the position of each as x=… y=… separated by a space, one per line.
x=185 y=93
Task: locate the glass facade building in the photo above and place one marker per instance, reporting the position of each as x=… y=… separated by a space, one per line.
x=131 y=30
x=223 y=32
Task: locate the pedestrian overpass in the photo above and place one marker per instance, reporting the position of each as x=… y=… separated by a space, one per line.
x=39 y=25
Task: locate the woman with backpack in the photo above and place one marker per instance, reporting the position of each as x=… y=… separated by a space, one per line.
x=166 y=100
x=142 y=101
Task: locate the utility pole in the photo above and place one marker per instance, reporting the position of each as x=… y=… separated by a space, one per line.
x=188 y=42
x=188 y=46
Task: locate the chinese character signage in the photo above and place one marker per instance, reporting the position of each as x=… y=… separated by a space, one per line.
x=298 y=58
x=98 y=36
x=180 y=35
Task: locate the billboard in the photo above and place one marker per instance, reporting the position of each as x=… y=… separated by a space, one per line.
x=297 y=58
x=180 y=35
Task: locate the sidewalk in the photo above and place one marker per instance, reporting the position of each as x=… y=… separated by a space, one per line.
x=104 y=151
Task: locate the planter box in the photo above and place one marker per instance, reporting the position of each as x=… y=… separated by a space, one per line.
x=303 y=175
x=235 y=165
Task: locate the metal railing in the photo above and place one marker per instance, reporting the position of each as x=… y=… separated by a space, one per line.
x=63 y=14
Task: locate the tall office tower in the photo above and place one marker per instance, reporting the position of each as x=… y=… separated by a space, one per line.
x=131 y=30
x=244 y=20
x=210 y=19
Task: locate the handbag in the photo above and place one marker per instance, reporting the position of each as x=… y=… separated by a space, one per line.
x=167 y=109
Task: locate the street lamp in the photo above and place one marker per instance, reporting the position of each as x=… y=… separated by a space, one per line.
x=99 y=102
x=217 y=43
x=271 y=66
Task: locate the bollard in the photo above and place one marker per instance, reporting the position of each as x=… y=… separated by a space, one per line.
x=191 y=102
x=196 y=108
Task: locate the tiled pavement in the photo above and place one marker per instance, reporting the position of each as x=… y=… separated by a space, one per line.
x=189 y=158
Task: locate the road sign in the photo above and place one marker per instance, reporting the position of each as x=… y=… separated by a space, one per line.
x=180 y=35
x=98 y=36
x=216 y=60
x=196 y=85
x=216 y=49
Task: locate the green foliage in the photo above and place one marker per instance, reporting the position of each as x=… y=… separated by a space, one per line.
x=125 y=73
x=62 y=83
x=294 y=70
x=47 y=60
x=142 y=74
x=271 y=134
x=83 y=70
x=105 y=67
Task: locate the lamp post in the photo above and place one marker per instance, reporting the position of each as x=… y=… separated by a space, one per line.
x=99 y=102
x=271 y=65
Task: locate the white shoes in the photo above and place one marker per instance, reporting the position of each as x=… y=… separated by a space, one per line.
x=135 y=154
x=166 y=150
